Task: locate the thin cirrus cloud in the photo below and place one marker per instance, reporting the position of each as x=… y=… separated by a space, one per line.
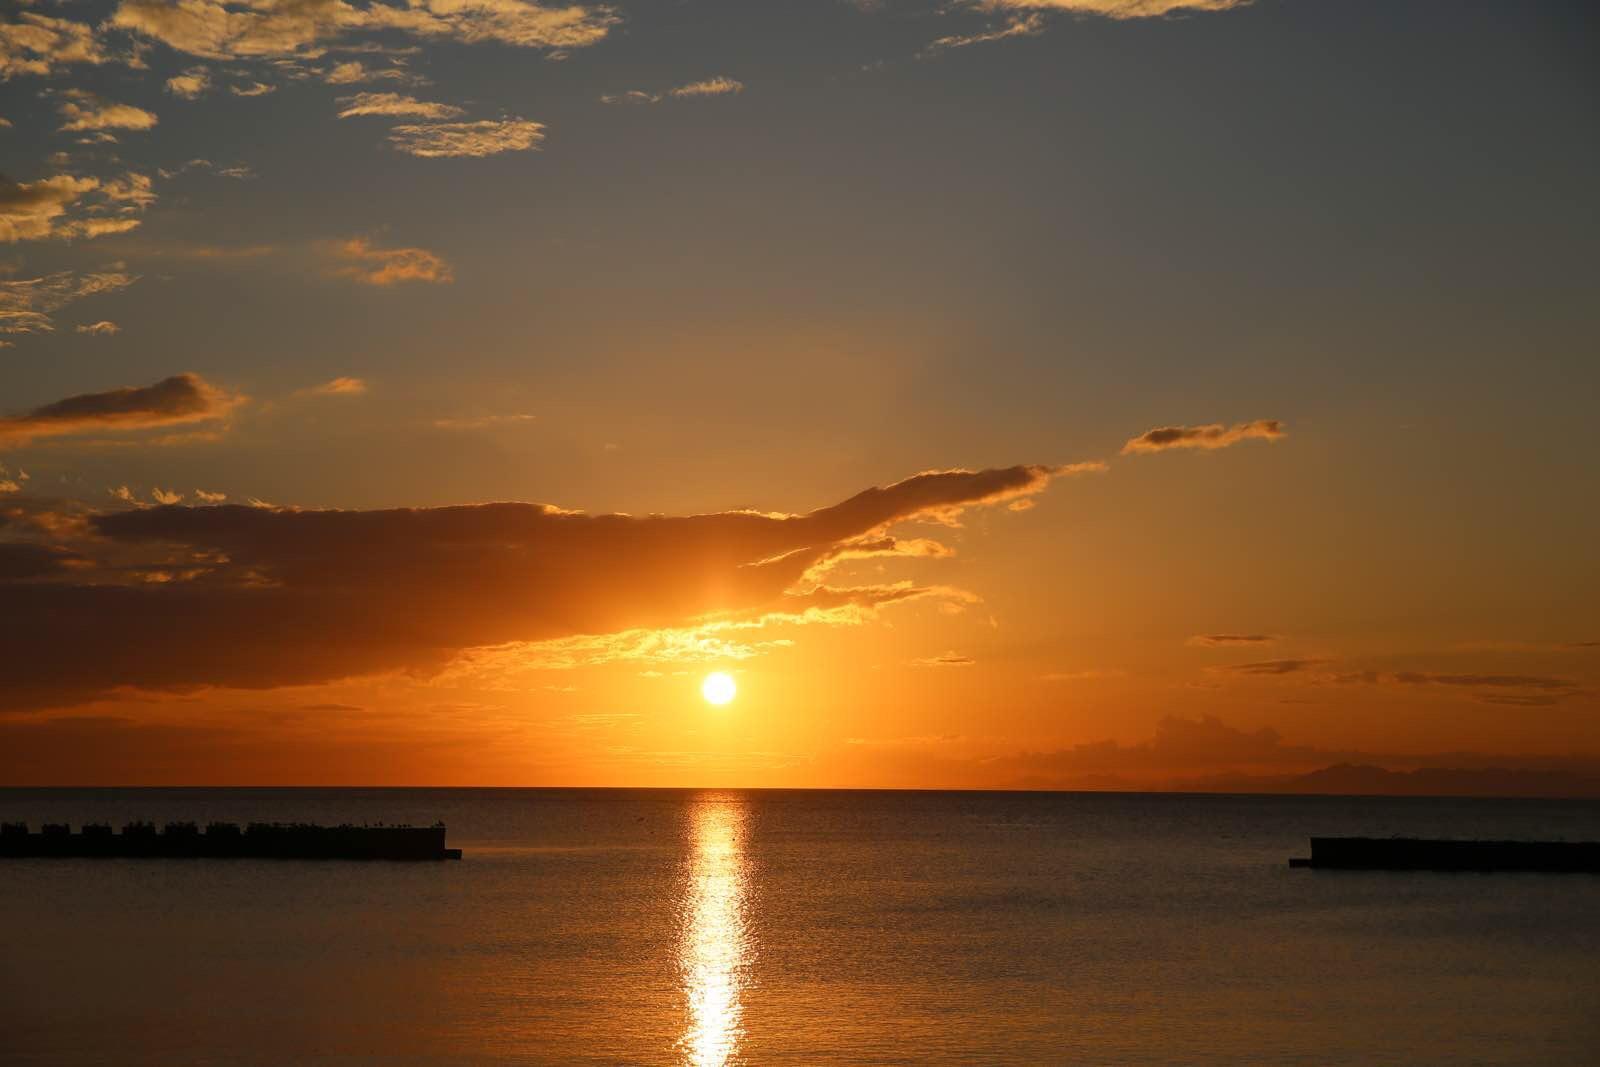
x=359 y=260
x=1208 y=438
x=286 y=597
x=26 y=304
x=395 y=104
x=715 y=86
x=354 y=72
x=1226 y=640
x=180 y=399
x=1121 y=9
x=447 y=140
x=719 y=85
x=342 y=386
x=1029 y=25
x=1271 y=666
x=103 y=328
x=482 y=422
x=236 y=29
x=945 y=659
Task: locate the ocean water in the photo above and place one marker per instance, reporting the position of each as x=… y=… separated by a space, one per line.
x=683 y=927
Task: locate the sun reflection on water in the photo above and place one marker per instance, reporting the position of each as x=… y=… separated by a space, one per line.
x=714 y=949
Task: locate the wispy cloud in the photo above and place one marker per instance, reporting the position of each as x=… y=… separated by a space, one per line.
x=260 y=29
x=103 y=328
x=719 y=85
x=394 y=104
x=945 y=659
x=1224 y=640
x=1211 y=436
x=1030 y=25
x=354 y=72
x=1120 y=9
x=1271 y=666
x=487 y=137
x=337 y=387
x=26 y=304
x=481 y=422
x=359 y=260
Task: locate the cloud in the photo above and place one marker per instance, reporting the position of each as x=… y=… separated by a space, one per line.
x=1221 y=640
x=337 y=387
x=1512 y=681
x=234 y=29
x=32 y=210
x=191 y=84
x=1208 y=437
x=1208 y=754
x=252 y=89
x=1271 y=666
x=632 y=96
x=717 y=86
x=286 y=597
x=165 y=496
x=209 y=497
x=353 y=72
x=180 y=399
x=395 y=104
x=103 y=328
x=65 y=206
x=359 y=261
x=94 y=114
x=26 y=304
x=481 y=422
x=39 y=44
x=487 y=137
x=944 y=659
x=1522 y=690
x=1030 y=25
x=1120 y=9
x=1089 y=675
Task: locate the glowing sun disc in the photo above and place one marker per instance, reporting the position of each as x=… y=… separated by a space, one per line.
x=718 y=688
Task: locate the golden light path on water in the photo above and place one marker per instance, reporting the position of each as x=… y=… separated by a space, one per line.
x=715 y=951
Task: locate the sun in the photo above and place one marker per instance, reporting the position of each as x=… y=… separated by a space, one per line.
x=718 y=688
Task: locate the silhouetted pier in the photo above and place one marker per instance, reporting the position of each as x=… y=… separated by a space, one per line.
x=225 y=840
x=1421 y=854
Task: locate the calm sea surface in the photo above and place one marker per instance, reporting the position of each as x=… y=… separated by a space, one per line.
x=615 y=926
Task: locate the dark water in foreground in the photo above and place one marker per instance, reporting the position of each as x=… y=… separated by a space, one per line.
x=600 y=926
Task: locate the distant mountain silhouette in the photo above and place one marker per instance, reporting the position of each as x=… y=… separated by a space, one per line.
x=1348 y=779
x=1366 y=778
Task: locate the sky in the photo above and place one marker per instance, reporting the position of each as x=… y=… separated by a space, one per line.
x=1046 y=393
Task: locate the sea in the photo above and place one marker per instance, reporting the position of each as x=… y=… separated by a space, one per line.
x=613 y=926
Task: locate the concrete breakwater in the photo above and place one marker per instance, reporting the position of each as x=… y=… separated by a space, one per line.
x=223 y=840
x=1422 y=854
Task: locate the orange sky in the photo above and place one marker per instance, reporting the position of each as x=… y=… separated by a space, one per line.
x=1049 y=393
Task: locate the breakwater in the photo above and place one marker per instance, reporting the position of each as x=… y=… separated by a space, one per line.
x=1422 y=854
x=223 y=840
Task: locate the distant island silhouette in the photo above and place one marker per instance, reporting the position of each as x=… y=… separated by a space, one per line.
x=1355 y=779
